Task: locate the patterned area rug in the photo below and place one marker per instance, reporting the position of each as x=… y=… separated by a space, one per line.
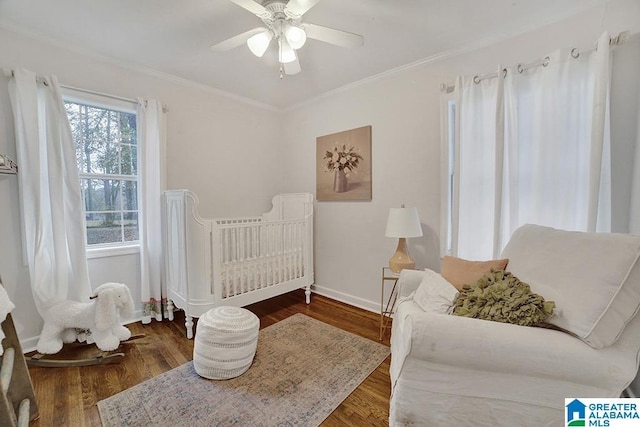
x=302 y=371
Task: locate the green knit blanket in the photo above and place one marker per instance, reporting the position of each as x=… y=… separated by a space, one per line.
x=502 y=297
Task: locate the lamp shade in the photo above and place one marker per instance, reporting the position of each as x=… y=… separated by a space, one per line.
x=258 y=43
x=403 y=222
x=295 y=36
x=287 y=54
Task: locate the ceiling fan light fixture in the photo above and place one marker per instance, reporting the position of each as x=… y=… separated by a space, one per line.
x=296 y=36
x=286 y=54
x=258 y=43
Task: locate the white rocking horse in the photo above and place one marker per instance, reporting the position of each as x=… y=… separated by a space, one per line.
x=96 y=321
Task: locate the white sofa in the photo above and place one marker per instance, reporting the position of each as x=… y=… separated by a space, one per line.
x=450 y=370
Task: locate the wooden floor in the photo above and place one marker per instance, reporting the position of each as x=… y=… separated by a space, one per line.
x=68 y=396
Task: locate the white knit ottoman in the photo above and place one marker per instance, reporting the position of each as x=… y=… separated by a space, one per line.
x=225 y=343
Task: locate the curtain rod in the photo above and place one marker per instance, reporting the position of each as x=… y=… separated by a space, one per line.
x=575 y=52
x=10 y=73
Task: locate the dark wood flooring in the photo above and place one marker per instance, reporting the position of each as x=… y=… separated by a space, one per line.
x=68 y=396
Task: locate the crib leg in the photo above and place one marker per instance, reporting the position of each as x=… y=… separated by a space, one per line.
x=170 y=309
x=189 y=325
x=307 y=294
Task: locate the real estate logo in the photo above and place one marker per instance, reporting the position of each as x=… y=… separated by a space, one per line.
x=602 y=412
x=575 y=413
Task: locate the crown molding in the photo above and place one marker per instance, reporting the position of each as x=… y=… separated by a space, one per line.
x=450 y=53
x=135 y=67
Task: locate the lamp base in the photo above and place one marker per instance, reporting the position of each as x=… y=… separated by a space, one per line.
x=401 y=259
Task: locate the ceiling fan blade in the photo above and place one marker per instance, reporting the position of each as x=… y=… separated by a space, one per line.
x=296 y=8
x=253 y=7
x=291 y=68
x=333 y=36
x=236 y=41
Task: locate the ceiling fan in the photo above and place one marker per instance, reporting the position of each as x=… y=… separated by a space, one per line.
x=282 y=20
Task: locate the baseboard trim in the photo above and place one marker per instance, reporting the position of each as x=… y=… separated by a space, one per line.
x=347 y=299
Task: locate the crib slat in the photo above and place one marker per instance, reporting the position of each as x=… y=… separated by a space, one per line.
x=279 y=243
x=289 y=251
x=274 y=249
x=225 y=258
x=301 y=249
x=255 y=257
x=229 y=258
x=269 y=260
x=235 y=257
x=296 y=233
x=284 y=251
x=239 y=259
x=282 y=256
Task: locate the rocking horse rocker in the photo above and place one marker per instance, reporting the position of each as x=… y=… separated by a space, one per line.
x=95 y=321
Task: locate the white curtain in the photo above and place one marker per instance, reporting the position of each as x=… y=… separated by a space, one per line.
x=151 y=185
x=479 y=144
x=50 y=197
x=534 y=148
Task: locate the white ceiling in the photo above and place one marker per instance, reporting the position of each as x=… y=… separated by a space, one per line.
x=173 y=37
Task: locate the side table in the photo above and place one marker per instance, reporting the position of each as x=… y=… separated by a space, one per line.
x=387 y=310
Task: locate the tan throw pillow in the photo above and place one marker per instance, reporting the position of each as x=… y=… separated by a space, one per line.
x=459 y=272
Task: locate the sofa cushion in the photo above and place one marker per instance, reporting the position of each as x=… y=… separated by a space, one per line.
x=501 y=297
x=458 y=271
x=594 y=278
x=435 y=294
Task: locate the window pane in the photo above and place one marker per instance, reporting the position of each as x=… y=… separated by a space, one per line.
x=130 y=224
x=129 y=159
x=99 y=157
x=101 y=194
x=93 y=194
x=129 y=195
x=127 y=128
x=103 y=228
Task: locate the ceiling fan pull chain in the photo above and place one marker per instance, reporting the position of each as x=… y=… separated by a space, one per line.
x=281 y=72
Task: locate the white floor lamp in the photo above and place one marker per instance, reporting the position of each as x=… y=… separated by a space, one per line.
x=402 y=224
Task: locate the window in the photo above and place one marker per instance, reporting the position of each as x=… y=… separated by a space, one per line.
x=528 y=148
x=448 y=115
x=105 y=138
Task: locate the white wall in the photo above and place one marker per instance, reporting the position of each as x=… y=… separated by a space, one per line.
x=225 y=150
x=404 y=109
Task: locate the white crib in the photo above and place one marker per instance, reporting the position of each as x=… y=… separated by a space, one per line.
x=235 y=261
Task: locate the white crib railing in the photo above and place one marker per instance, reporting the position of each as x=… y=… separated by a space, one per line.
x=236 y=261
x=257 y=254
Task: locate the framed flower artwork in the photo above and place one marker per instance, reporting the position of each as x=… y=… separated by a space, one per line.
x=343 y=165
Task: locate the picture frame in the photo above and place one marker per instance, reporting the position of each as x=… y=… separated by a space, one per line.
x=343 y=165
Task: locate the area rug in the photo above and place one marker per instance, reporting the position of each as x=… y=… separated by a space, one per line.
x=302 y=371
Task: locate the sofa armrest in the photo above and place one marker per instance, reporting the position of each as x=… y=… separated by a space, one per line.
x=499 y=347
x=409 y=281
